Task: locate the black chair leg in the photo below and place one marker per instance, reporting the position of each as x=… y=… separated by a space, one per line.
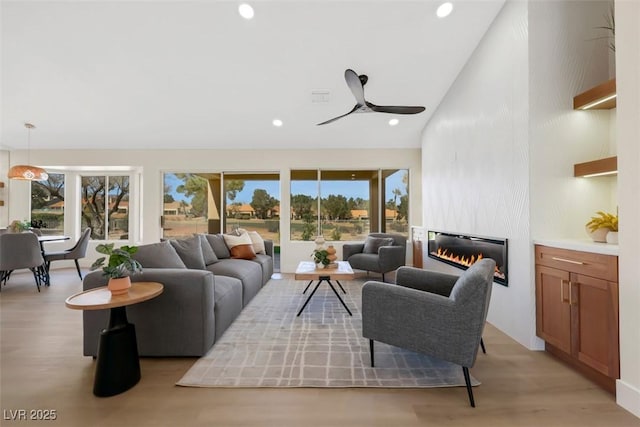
x=467 y=380
x=484 y=350
x=383 y=277
x=80 y=274
x=371 y=352
x=37 y=278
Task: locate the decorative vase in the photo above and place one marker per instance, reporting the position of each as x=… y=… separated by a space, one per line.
x=600 y=235
x=612 y=237
x=119 y=286
x=319 y=266
x=319 y=243
x=331 y=254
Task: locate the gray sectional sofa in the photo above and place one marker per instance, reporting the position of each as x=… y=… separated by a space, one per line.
x=204 y=291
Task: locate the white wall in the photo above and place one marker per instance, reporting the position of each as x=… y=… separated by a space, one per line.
x=4 y=192
x=566 y=58
x=476 y=162
x=153 y=163
x=628 y=135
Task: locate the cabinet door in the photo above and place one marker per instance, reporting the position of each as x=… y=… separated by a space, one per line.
x=553 y=312
x=595 y=321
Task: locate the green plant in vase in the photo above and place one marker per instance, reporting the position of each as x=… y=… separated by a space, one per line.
x=321 y=258
x=119 y=267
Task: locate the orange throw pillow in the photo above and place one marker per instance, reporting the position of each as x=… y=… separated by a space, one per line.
x=241 y=247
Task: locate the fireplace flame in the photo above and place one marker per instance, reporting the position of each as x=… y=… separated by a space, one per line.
x=463 y=260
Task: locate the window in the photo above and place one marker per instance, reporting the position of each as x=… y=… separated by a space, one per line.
x=47 y=204
x=191 y=204
x=252 y=202
x=348 y=204
x=105 y=206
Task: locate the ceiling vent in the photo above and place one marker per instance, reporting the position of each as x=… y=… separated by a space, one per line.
x=320 y=95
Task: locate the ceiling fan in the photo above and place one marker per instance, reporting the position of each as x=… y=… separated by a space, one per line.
x=356 y=84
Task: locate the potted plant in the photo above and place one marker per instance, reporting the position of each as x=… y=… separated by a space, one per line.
x=601 y=225
x=119 y=267
x=321 y=258
x=18 y=226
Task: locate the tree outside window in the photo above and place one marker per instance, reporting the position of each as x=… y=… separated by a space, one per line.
x=47 y=204
x=105 y=206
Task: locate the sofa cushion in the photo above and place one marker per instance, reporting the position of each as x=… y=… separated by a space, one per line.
x=158 y=255
x=219 y=246
x=240 y=246
x=258 y=242
x=373 y=244
x=190 y=252
x=207 y=251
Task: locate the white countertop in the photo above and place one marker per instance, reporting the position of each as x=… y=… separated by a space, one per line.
x=585 y=245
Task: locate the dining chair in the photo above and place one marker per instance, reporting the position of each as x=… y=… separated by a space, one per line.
x=79 y=250
x=21 y=250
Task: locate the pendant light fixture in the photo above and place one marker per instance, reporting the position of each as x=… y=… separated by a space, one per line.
x=28 y=172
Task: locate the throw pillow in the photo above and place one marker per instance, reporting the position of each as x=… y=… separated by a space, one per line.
x=240 y=247
x=372 y=244
x=207 y=251
x=158 y=255
x=258 y=242
x=219 y=246
x=190 y=252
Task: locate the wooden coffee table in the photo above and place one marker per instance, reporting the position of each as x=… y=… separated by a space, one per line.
x=117 y=364
x=307 y=271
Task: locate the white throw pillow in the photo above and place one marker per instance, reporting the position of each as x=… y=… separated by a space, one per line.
x=258 y=242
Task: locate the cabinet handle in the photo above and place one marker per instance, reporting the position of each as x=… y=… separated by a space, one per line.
x=570 y=299
x=570 y=261
x=562 y=290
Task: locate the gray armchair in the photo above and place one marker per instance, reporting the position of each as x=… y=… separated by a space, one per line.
x=433 y=313
x=21 y=250
x=79 y=250
x=380 y=252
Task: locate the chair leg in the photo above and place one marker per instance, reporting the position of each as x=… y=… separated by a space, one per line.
x=467 y=381
x=78 y=268
x=383 y=277
x=35 y=276
x=371 y=352
x=484 y=350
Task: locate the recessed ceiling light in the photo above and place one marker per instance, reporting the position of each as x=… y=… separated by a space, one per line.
x=444 y=9
x=277 y=122
x=246 y=11
x=393 y=122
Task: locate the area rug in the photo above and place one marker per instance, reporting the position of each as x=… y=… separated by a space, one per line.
x=268 y=346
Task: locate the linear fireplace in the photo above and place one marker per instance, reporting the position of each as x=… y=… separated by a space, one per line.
x=462 y=251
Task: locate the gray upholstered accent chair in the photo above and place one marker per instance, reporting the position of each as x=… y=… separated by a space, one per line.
x=380 y=252
x=437 y=314
x=18 y=251
x=79 y=250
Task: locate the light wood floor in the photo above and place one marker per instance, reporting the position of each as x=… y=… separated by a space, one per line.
x=42 y=367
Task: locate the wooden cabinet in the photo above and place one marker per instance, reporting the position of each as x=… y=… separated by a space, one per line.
x=577 y=310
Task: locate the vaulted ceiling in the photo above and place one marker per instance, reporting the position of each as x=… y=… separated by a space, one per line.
x=194 y=74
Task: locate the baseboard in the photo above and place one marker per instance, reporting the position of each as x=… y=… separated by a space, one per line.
x=628 y=397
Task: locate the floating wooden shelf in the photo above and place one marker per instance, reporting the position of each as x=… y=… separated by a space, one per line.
x=601 y=97
x=607 y=166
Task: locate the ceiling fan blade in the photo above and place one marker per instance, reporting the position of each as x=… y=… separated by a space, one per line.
x=339 y=117
x=354 y=83
x=395 y=109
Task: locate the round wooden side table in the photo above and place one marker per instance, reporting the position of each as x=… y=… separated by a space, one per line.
x=117 y=364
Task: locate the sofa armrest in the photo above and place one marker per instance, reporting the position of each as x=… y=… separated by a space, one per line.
x=178 y=322
x=425 y=280
x=268 y=247
x=349 y=249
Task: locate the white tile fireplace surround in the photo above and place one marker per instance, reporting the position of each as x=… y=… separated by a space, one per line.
x=462 y=250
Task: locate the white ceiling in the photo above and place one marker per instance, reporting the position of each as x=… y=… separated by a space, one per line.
x=194 y=74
